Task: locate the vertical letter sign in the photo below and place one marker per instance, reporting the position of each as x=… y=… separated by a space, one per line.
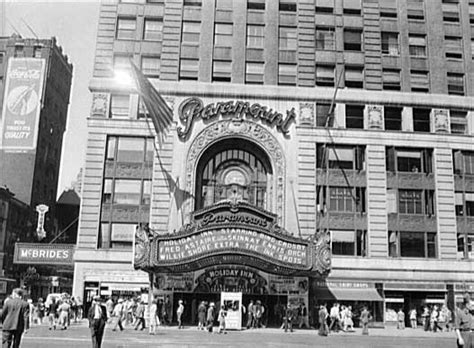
x=22 y=104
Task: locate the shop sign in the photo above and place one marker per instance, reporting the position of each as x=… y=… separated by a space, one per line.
x=344 y=285
x=22 y=104
x=50 y=254
x=193 y=109
x=464 y=287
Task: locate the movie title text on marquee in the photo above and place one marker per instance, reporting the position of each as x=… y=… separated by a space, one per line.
x=236 y=239
x=31 y=253
x=192 y=109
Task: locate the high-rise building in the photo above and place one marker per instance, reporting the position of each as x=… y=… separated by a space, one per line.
x=387 y=179
x=35 y=85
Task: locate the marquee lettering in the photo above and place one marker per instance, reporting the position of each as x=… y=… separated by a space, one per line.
x=192 y=109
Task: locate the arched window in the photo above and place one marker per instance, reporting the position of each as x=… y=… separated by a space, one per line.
x=235 y=170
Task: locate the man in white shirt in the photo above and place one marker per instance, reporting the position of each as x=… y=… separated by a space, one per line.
x=334 y=315
x=97 y=316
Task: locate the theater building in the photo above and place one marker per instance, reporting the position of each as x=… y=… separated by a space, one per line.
x=252 y=186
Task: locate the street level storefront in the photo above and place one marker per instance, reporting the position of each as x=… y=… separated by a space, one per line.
x=232 y=247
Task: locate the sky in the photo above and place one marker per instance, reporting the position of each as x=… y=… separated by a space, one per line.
x=74 y=24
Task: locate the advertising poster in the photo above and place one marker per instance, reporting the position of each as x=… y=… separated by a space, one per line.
x=233 y=303
x=22 y=104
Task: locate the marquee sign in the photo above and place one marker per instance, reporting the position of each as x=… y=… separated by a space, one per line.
x=192 y=109
x=232 y=233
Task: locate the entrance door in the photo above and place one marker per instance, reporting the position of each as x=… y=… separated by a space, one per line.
x=274 y=308
x=191 y=302
x=90 y=290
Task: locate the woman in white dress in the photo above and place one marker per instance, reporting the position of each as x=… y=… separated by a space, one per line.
x=154 y=319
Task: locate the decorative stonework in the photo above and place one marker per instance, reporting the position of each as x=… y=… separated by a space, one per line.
x=440 y=121
x=375 y=117
x=248 y=131
x=306 y=114
x=100 y=105
x=322 y=251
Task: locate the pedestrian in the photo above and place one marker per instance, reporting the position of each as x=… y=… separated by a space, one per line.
x=52 y=313
x=400 y=319
x=449 y=317
x=109 y=304
x=412 y=315
x=129 y=311
x=154 y=320
x=41 y=310
x=210 y=317
x=63 y=311
x=365 y=317
x=348 y=323
x=202 y=315
x=117 y=315
x=250 y=311
x=288 y=318
x=15 y=319
x=334 y=316
x=179 y=313
x=74 y=309
x=303 y=316
x=425 y=318
x=97 y=317
x=258 y=314
x=323 y=324
x=463 y=321
x=434 y=319
x=222 y=315
x=442 y=318
x=140 y=316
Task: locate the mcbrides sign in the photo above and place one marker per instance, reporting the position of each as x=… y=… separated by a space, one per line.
x=22 y=103
x=193 y=109
x=51 y=254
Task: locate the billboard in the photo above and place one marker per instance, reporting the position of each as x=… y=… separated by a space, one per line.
x=47 y=254
x=22 y=104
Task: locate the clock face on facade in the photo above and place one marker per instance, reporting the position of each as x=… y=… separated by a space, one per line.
x=235 y=176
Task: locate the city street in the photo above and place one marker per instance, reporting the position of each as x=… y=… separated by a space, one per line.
x=78 y=336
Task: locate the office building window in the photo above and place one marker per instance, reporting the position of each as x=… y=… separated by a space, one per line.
x=256 y=4
x=224 y=5
x=255 y=36
x=254 y=72
x=421 y=120
x=340 y=156
x=412 y=244
x=450 y=10
x=325 y=75
x=458 y=120
x=355 y=116
x=119 y=106
x=122 y=63
x=391 y=79
x=37 y=53
x=2 y=55
x=420 y=81
x=287 y=74
x=409 y=160
x=388 y=9
x=325 y=38
x=354 y=76
x=188 y=69
x=465 y=245
x=151 y=66
x=455 y=83
x=471 y=13
x=192 y=3
x=287 y=5
x=415 y=10
x=223 y=35
x=324 y=6
x=126 y=28
x=322 y=112
x=287 y=38
x=393 y=118
x=410 y=201
x=345 y=199
x=472 y=48
x=464 y=203
x=453 y=47
x=417 y=45
x=153 y=30
x=352 y=7
x=390 y=44
x=349 y=242
x=221 y=71
x=191 y=32
x=352 y=39
x=463 y=162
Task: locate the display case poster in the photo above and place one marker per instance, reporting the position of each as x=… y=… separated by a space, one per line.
x=286 y=285
x=233 y=303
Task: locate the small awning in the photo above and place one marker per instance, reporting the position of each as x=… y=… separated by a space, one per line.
x=367 y=295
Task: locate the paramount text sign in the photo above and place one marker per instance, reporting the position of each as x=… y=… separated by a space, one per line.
x=51 y=254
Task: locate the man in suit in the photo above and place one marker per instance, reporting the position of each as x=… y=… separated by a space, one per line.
x=15 y=319
x=97 y=318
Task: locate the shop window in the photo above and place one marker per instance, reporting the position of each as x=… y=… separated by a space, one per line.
x=325 y=75
x=325 y=38
x=287 y=74
x=354 y=76
x=324 y=6
x=455 y=83
x=287 y=38
x=393 y=118
x=354 y=116
x=191 y=32
x=417 y=45
x=119 y=106
x=341 y=157
x=188 y=69
x=322 y=112
x=390 y=43
x=255 y=36
x=391 y=79
x=415 y=10
x=458 y=121
x=412 y=244
x=256 y=5
x=151 y=66
x=421 y=120
x=352 y=39
x=126 y=28
x=450 y=10
x=349 y=242
x=254 y=72
x=153 y=30
x=453 y=47
x=409 y=160
x=223 y=35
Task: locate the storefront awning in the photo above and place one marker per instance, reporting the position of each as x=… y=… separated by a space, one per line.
x=338 y=294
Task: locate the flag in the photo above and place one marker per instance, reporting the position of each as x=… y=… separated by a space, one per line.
x=160 y=113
